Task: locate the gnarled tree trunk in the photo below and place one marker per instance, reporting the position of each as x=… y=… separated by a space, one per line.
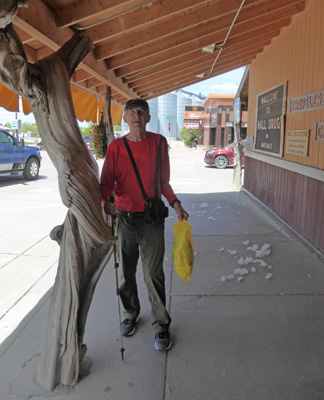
x=85 y=239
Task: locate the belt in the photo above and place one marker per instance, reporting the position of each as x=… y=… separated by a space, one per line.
x=130 y=214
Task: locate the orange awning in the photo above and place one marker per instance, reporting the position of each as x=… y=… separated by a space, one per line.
x=87 y=107
x=8 y=99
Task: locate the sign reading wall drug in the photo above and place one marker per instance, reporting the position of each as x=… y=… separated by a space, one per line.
x=270 y=117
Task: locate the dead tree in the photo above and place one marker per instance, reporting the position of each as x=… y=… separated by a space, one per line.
x=85 y=239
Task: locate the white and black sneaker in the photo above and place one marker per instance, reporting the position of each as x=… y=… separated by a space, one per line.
x=162 y=341
x=128 y=326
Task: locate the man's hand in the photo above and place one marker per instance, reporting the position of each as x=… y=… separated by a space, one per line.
x=181 y=213
x=110 y=207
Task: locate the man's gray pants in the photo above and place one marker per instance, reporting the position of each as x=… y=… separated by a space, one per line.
x=137 y=238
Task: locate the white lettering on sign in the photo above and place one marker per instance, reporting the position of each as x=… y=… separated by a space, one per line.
x=269 y=97
x=297 y=142
x=274 y=123
x=307 y=102
x=267 y=146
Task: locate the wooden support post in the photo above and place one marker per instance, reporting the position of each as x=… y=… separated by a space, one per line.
x=237 y=171
x=107 y=116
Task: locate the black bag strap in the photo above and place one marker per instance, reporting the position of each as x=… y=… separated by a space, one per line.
x=157 y=167
x=135 y=168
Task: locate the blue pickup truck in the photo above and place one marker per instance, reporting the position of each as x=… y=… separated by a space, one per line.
x=17 y=158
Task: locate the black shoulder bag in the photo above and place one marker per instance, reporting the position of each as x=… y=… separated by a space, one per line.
x=155 y=210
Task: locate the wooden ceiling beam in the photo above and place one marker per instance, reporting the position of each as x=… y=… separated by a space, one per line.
x=39 y=21
x=196 y=59
x=187 y=58
x=263 y=33
x=190 y=38
x=80 y=75
x=183 y=83
x=190 y=19
x=31 y=54
x=151 y=47
x=196 y=69
x=172 y=25
x=24 y=37
x=191 y=35
x=44 y=52
x=93 y=83
x=187 y=77
x=82 y=86
x=82 y=10
x=143 y=18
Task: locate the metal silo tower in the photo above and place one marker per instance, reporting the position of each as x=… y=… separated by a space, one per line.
x=168 y=115
x=152 y=126
x=182 y=101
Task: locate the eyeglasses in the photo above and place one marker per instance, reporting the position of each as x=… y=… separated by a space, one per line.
x=134 y=112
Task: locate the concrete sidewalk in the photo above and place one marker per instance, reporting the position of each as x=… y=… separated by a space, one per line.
x=240 y=338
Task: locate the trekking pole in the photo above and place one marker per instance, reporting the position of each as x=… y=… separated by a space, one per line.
x=116 y=266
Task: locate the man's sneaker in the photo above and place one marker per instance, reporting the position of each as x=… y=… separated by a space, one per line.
x=162 y=341
x=128 y=326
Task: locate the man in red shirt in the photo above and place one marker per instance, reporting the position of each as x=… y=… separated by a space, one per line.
x=135 y=236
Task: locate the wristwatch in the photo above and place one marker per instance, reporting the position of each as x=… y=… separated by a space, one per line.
x=174 y=201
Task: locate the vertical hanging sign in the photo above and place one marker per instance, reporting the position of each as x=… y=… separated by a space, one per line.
x=270 y=120
x=237 y=110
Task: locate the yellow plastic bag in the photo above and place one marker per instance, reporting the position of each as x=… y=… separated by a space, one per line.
x=183 y=251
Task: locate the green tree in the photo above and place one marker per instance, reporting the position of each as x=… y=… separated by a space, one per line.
x=29 y=127
x=85 y=130
x=189 y=136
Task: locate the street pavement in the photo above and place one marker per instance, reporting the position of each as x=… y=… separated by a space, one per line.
x=248 y=325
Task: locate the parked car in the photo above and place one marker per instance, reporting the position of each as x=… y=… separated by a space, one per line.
x=221 y=158
x=41 y=145
x=16 y=158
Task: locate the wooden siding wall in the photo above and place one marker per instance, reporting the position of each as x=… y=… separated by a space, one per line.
x=296 y=198
x=297 y=57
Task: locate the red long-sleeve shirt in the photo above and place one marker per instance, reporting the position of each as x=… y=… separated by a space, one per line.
x=118 y=175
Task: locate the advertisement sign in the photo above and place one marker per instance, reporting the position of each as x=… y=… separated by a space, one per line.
x=237 y=110
x=191 y=125
x=297 y=142
x=270 y=118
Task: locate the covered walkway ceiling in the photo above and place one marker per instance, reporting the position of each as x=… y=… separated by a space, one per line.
x=149 y=48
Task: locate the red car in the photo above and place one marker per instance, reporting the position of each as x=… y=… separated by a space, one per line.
x=221 y=158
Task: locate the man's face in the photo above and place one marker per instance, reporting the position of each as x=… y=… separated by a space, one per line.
x=136 y=117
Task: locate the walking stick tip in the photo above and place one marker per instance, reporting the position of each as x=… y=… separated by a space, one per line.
x=122 y=353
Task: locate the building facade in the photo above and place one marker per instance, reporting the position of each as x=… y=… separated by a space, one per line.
x=218 y=129
x=284 y=161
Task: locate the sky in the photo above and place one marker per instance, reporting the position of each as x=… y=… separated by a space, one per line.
x=225 y=83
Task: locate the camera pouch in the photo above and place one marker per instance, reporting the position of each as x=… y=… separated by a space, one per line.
x=155 y=211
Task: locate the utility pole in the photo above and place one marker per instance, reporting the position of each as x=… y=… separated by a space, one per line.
x=237 y=172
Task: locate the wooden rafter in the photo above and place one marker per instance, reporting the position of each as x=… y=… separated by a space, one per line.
x=142 y=45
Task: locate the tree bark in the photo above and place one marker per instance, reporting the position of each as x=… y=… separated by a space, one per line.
x=86 y=242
